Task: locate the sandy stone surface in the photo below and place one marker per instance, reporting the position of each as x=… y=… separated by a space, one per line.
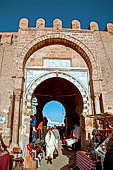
x=65 y=161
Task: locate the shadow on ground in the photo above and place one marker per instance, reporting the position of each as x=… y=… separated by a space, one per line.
x=71 y=154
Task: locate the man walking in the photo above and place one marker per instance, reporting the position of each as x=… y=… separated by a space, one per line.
x=57 y=137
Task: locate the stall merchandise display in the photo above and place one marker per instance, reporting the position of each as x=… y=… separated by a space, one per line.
x=4 y=160
x=85 y=161
x=101 y=149
x=32 y=160
x=70 y=142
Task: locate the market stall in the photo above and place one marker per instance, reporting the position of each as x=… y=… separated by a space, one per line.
x=102 y=149
x=98 y=138
x=4 y=160
x=85 y=161
x=4 y=155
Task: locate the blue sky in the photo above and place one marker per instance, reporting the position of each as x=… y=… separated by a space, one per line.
x=11 y=11
x=54 y=111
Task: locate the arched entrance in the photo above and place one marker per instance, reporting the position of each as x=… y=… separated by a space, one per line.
x=58 y=75
x=49 y=39
x=56 y=86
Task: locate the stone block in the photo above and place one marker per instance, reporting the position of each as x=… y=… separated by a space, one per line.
x=23 y=23
x=40 y=23
x=93 y=26
x=57 y=24
x=75 y=25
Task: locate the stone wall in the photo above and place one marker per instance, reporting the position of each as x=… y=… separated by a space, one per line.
x=7 y=69
x=56 y=52
x=104 y=50
x=99 y=44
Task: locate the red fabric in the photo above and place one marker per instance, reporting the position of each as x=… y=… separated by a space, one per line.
x=104 y=133
x=73 y=137
x=30 y=146
x=35 y=128
x=4 y=162
x=64 y=141
x=37 y=149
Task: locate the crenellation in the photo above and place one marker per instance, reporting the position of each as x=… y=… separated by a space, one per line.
x=57 y=24
x=93 y=26
x=75 y=25
x=109 y=28
x=23 y=24
x=40 y=23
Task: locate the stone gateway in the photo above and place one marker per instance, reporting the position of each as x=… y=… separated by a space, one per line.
x=71 y=65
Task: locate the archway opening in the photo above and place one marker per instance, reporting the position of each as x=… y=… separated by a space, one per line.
x=64 y=92
x=55 y=113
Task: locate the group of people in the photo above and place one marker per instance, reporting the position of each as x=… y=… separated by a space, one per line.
x=50 y=136
x=52 y=143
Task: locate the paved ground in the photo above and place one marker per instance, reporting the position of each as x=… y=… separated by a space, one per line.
x=64 y=161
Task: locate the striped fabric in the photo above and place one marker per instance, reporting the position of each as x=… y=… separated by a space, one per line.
x=83 y=162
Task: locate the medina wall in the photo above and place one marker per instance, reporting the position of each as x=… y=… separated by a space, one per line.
x=12 y=45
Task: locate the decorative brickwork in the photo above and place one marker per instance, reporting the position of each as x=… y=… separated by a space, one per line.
x=38 y=80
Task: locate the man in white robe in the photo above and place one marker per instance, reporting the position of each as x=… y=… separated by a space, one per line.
x=50 y=145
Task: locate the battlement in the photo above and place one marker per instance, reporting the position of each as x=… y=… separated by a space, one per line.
x=10 y=38
x=57 y=24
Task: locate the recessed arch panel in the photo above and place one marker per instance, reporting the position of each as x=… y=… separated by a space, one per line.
x=63 y=39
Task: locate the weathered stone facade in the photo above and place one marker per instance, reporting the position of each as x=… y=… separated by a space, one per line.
x=73 y=55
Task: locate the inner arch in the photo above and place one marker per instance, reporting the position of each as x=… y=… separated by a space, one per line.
x=57 y=85
x=55 y=112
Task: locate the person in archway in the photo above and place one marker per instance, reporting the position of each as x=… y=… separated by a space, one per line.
x=50 y=146
x=57 y=137
x=62 y=132
x=76 y=135
x=44 y=126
